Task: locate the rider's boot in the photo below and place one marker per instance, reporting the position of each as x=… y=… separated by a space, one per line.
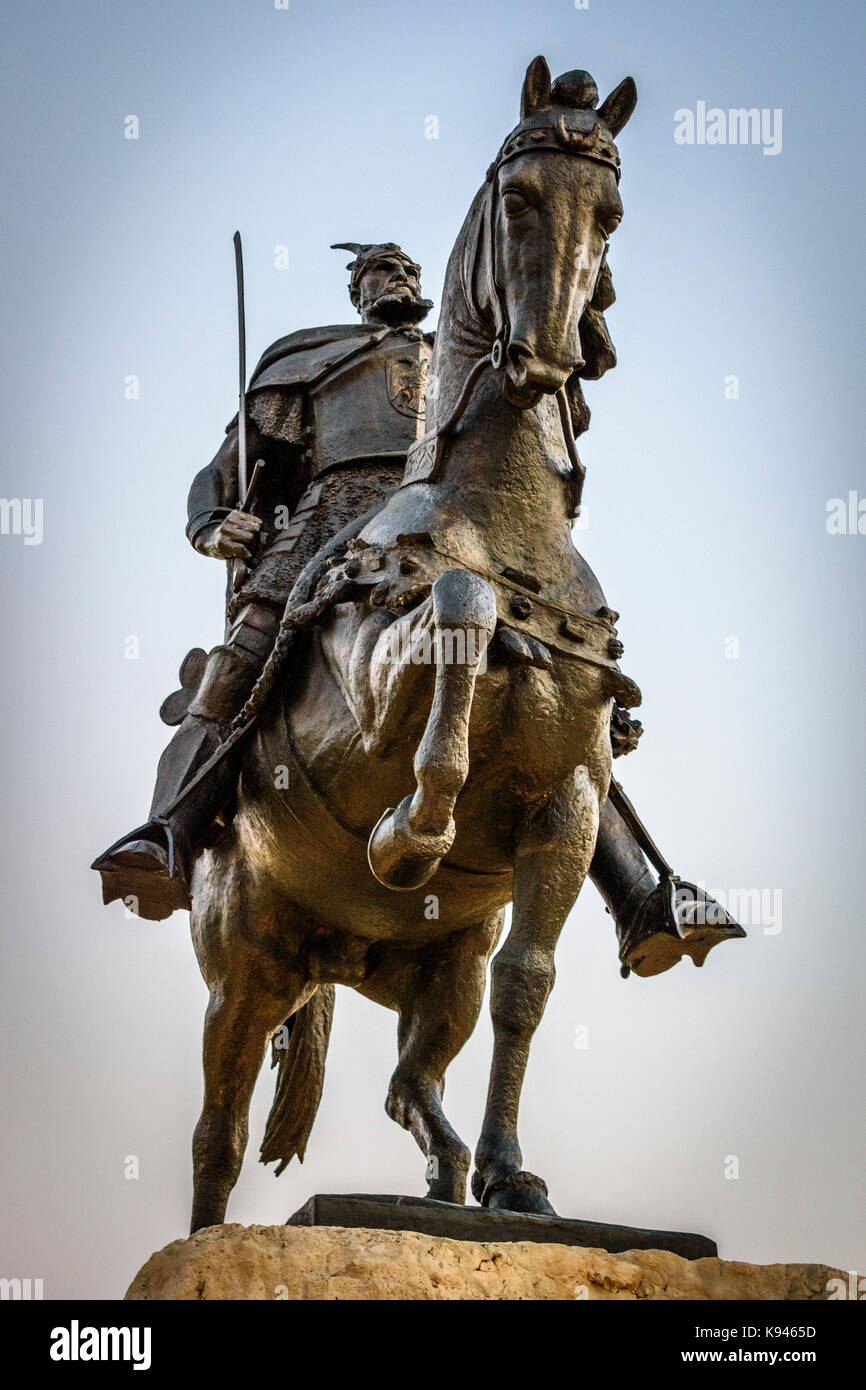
x=658 y=920
x=152 y=864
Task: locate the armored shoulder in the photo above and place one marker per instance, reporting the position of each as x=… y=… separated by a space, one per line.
x=302 y=340
x=278 y=413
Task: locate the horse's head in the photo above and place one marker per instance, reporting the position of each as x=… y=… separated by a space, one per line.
x=553 y=203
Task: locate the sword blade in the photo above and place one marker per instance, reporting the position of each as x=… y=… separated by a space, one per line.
x=242 y=373
x=617 y=796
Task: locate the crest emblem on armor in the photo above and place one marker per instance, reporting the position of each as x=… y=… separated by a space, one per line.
x=407 y=382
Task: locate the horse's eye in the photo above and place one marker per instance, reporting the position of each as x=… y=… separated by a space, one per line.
x=514 y=202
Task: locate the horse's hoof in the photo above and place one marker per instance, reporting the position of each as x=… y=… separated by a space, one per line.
x=402 y=858
x=516 y=1192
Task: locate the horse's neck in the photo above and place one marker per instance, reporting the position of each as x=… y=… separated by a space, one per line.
x=506 y=464
x=465 y=332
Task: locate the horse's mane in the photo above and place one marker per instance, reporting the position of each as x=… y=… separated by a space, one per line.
x=598 y=350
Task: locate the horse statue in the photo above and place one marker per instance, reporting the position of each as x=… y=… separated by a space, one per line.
x=440 y=746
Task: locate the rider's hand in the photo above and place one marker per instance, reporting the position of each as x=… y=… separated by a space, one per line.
x=235 y=537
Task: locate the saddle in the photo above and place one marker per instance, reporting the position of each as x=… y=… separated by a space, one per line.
x=529 y=628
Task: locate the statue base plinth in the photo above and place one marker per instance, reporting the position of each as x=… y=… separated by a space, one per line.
x=381 y=1212
x=324 y=1263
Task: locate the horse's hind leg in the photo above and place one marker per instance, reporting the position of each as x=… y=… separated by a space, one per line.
x=438 y=995
x=249 y=998
x=408 y=843
x=552 y=858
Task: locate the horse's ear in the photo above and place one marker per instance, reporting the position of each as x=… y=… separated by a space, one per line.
x=536 y=88
x=616 y=109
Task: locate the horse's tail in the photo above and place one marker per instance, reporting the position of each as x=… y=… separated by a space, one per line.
x=299 y=1049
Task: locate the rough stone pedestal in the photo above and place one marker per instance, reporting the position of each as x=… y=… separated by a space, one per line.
x=333 y=1262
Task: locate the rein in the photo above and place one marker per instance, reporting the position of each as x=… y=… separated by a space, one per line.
x=426 y=457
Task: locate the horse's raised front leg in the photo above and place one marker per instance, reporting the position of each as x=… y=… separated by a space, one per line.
x=408 y=843
x=438 y=996
x=552 y=858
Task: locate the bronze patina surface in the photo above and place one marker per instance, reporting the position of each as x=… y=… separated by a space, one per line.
x=412 y=718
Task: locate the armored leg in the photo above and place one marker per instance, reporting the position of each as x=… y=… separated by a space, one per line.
x=659 y=918
x=151 y=865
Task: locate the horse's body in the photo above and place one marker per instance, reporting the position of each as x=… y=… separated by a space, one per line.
x=497 y=769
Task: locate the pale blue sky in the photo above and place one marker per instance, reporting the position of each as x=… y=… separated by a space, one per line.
x=706 y=520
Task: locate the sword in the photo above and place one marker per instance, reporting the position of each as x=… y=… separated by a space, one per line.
x=246 y=488
x=242 y=373
x=618 y=798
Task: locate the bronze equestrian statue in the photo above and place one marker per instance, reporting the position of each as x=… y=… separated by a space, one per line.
x=411 y=721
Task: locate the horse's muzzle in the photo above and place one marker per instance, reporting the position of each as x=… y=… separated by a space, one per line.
x=528 y=377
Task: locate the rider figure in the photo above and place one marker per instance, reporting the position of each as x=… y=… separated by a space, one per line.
x=331 y=412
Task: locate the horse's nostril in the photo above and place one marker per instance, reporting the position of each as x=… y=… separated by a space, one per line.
x=518 y=356
x=529 y=371
x=518 y=352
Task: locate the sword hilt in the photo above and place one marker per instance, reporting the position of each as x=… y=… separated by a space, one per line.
x=247 y=500
x=239 y=568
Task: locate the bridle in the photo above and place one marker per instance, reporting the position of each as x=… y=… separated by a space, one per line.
x=430 y=450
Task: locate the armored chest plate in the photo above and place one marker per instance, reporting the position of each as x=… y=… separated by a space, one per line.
x=372 y=406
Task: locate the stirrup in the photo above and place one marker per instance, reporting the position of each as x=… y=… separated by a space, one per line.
x=675 y=919
x=155 y=890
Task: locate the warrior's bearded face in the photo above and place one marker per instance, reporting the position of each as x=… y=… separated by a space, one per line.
x=389 y=291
